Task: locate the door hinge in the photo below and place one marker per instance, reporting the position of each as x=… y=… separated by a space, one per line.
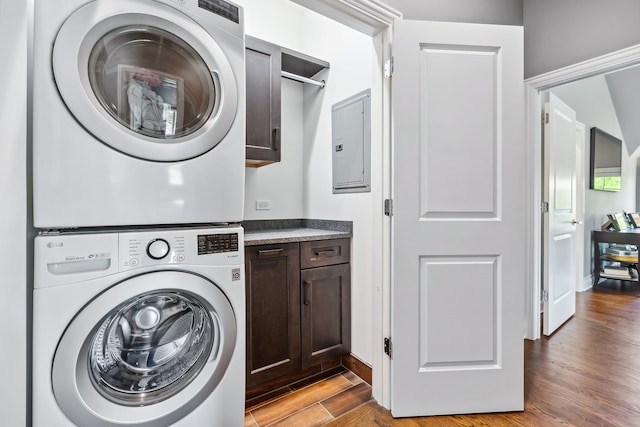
x=388 y=350
x=545 y=118
x=388 y=68
x=388 y=207
x=545 y=296
x=544 y=208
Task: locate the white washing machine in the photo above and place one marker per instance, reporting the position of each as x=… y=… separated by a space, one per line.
x=138 y=112
x=139 y=328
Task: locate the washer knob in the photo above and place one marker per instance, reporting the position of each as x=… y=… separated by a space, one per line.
x=158 y=249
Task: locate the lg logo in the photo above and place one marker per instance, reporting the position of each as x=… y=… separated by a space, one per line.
x=55 y=244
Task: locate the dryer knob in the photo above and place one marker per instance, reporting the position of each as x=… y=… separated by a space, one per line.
x=158 y=248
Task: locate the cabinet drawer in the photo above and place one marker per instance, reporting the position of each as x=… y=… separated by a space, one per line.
x=324 y=252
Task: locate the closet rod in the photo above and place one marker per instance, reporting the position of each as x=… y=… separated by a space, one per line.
x=320 y=83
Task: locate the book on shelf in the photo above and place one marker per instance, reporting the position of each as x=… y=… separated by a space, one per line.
x=626 y=253
x=619 y=221
x=634 y=219
x=618 y=272
x=615 y=269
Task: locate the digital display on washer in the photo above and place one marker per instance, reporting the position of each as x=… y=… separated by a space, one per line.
x=222 y=8
x=217 y=243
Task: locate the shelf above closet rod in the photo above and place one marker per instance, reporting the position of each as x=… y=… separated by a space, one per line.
x=320 y=83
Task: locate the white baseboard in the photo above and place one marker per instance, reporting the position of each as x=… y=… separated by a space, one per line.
x=587 y=283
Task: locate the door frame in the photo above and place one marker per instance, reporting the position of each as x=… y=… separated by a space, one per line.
x=533 y=87
x=375 y=18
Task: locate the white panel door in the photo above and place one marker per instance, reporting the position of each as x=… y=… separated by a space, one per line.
x=559 y=224
x=458 y=221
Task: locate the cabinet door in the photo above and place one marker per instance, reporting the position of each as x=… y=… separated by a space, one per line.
x=273 y=311
x=263 y=68
x=326 y=313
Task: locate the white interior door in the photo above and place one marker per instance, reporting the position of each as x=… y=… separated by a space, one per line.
x=559 y=223
x=458 y=222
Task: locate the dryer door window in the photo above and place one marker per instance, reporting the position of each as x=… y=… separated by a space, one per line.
x=148 y=81
x=148 y=349
x=152 y=82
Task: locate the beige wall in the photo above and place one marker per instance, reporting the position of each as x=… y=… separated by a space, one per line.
x=561 y=33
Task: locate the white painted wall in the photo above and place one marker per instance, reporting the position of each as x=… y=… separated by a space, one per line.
x=277 y=21
x=352 y=68
x=351 y=55
x=591 y=100
x=281 y=183
x=13 y=214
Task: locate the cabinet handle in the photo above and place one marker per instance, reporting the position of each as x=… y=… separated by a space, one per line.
x=306 y=293
x=276 y=138
x=325 y=252
x=270 y=252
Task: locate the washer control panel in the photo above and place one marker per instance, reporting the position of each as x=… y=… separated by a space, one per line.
x=64 y=258
x=192 y=246
x=139 y=249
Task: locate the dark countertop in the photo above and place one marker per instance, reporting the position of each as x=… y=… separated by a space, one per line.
x=263 y=232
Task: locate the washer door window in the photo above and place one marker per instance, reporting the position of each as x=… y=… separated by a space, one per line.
x=146 y=352
x=145 y=79
x=151 y=347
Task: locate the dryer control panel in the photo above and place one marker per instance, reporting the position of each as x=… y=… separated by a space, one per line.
x=222 y=8
x=217 y=243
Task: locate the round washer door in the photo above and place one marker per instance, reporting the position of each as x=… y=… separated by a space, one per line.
x=145 y=79
x=146 y=352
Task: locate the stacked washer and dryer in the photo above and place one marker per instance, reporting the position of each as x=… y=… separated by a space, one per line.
x=138 y=194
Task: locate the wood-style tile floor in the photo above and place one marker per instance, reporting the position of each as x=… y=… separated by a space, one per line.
x=314 y=405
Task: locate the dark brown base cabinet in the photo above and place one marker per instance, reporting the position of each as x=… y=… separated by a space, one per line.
x=298 y=307
x=273 y=311
x=325 y=324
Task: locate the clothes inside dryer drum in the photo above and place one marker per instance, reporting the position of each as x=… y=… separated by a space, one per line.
x=148 y=349
x=152 y=82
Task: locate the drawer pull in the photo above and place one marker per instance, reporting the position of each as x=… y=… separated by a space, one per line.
x=307 y=293
x=323 y=253
x=270 y=252
x=276 y=138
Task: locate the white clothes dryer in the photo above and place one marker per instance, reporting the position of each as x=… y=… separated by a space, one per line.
x=138 y=112
x=139 y=328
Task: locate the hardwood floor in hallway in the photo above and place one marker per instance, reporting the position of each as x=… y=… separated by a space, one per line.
x=586 y=374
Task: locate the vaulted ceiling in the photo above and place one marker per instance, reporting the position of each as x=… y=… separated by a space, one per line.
x=624 y=87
